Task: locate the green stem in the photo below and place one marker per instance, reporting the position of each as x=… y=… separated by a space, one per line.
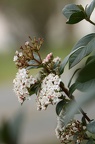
x=72 y=98
x=87 y=19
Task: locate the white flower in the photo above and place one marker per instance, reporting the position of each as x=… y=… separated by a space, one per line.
x=57 y=59
x=49 y=92
x=26 y=43
x=21 y=84
x=20 y=54
x=16 y=52
x=15 y=58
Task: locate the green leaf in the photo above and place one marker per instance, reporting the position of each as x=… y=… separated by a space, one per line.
x=90 y=59
x=75 y=18
x=73 y=76
x=69 y=9
x=91 y=127
x=63 y=64
x=87 y=73
x=89 y=9
x=74 y=13
x=32 y=67
x=36 y=56
x=85 y=79
x=59 y=107
x=66 y=59
x=83 y=98
x=90 y=141
x=73 y=88
x=32 y=62
x=83 y=48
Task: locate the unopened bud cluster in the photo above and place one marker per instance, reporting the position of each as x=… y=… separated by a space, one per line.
x=72 y=131
x=52 y=64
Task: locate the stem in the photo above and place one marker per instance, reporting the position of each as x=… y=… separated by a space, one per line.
x=72 y=98
x=87 y=19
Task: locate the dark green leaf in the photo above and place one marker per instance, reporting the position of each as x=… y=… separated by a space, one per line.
x=59 y=107
x=73 y=88
x=74 y=13
x=83 y=48
x=87 y=73
x=85 y=79
x=69 y=9
x=83 y=98
x=76 y=17
x=34 y=88
x=63 y=64
x=89 y=9
x=66 y=59
x=90 y=141
x=90 y=59
x=91 y=127
x=73 y=76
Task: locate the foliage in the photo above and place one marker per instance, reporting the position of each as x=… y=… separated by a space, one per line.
x=49 y=86
x=10 y=129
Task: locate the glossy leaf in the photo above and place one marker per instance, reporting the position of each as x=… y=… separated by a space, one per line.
x=69 y=9
x=36 y=56
x=73 y=76
x=85 y=79
x=87 y=73
x=66 y=59
x=84 y=47
x=90 y=59
x=63 y=64
x=76 y=17
x=82 y=99
x=74 y=13
x=91 y=127
x=89 y=9
x=59 y=107
x=90 y=141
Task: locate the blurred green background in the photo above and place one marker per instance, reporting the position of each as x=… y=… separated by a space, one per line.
x=18 y=20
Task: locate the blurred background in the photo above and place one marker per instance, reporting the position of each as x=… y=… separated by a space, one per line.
x=19 y=20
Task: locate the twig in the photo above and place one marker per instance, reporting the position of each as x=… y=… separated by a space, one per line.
x=72 y=98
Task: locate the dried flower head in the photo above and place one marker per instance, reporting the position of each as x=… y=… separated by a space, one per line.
x=29 y=55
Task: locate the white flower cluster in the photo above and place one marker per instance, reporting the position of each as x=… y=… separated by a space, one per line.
x=66 y=133
x=18 y=58
x=17 y=55
x=22 y=83
x=49 y=92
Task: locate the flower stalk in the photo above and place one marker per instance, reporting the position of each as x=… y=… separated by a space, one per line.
x=66 y=91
